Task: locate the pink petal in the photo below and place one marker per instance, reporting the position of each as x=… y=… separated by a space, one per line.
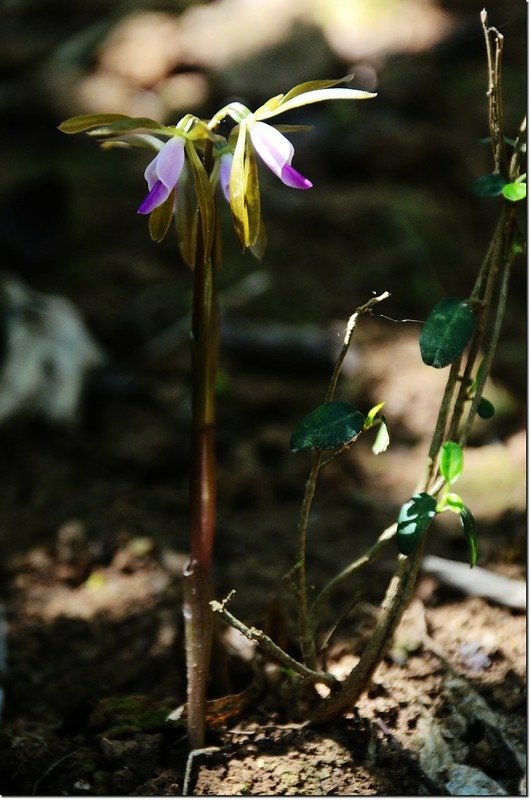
x=292 y=178
x=225 y=166
x=271 y=145
x=150 y=173
x=170 y=161
x=158 y=194
x=277 y=151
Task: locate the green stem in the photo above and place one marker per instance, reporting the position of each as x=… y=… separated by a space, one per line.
x=306 y=621
x=307 y=640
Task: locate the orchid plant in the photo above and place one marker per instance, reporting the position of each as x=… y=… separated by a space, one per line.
x=194 y=170
x=192 y=159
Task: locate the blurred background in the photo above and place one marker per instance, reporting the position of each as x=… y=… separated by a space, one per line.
x=391 y=210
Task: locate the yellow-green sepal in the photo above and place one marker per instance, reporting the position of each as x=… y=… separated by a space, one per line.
x=187 y=219
x=312 y=86
x=112 y=125
x=161 y=217
x=245 y=191
x=205 y=196
x=85 y=122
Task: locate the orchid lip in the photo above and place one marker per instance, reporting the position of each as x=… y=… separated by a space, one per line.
x=158 y=194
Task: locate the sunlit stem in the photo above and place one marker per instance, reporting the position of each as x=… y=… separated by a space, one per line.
x=306 y=620
x=198 y=573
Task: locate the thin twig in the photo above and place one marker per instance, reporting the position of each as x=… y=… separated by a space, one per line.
x=261 y=639
x=360 y=562
x=51 y=769
x=192 y=755
x=306 y=622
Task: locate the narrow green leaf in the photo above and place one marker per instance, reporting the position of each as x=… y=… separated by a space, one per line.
x=127 y=125
x=259 y=247
x=311 y=86
x=371 y=416
x=328 y=426
x=87 y=121
x=187 y=219
x=488 y=185
x=446 y=332
x=205 y=197
x=469 y=529
x=515 y=192
x=237 y=189
x=293 y=128
x=252 y=193
x=161 y=217
x=485 y=409
x=452 y=460
x=414 y=519
x=381 y=442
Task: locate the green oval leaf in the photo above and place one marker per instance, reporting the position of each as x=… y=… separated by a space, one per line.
x=485 y=409
x=414 y=519
x=488 y=185
x=446 y=332
x=469 y=529
x=452 y=460
x=328 y=426
x=515 y=192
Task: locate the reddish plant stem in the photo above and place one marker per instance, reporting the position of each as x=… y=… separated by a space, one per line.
x=203 y=486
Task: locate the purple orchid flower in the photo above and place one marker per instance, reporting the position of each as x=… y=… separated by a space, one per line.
x=277 y=152
x=163 y=173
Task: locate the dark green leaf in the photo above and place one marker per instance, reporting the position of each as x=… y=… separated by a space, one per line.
x=328 y=426
x=488 y=185
x=414 y=519
x=485 y=409
x=446 y=332
x=452 y=460
x=515 y=192
x=469 y=529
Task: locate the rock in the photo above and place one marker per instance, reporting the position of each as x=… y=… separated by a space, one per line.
x=468 y=781
x=47 y=352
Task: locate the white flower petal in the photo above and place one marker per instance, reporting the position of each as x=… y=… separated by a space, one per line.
x=316 y=96
x=272 y=146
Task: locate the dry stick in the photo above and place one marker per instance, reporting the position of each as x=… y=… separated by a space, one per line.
x=306 y=626
x=267 y=644
x=491 y=346
x=362 y=561
x=494 y=92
